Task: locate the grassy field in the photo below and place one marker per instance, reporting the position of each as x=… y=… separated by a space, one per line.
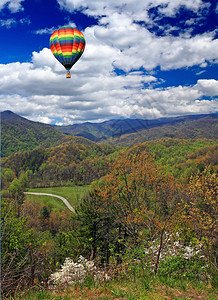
x=73 y=194
x=144 y=288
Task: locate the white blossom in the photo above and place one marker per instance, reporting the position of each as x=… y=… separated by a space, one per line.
x=72 y=272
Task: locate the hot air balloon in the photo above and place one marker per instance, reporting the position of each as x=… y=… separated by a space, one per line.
x=67 y=44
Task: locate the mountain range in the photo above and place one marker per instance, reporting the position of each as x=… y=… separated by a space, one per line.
x=20 y=134
x=119 y=127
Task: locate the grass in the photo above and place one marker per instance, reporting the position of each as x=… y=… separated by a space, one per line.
x=127 y=289
x=72 y=193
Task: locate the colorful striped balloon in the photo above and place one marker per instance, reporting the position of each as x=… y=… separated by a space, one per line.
x=67 y=44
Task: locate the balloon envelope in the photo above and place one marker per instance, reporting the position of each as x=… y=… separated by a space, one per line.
x=67 y=44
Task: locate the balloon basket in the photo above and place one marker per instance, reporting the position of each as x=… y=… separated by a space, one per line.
x=68 y=75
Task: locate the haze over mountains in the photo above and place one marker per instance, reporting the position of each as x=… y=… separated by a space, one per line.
x=19 y=134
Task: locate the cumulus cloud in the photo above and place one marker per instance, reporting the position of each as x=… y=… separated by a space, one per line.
x=40 y=91
x=141 y=48
x=115 y=77
x=208 y=87
x=136 y=45
x=13 y=5
x=138 y=9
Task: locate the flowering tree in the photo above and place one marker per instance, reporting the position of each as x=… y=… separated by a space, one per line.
x=134 y=200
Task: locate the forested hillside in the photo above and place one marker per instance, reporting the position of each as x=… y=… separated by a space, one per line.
x=20 y=134
x=75 y=161
x=80 y=161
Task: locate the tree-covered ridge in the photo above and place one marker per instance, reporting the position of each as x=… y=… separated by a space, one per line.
x=76 y=160
x=181 y=157
x=205 y=127
x=192 y=126
x=20 y=134
x=80 y=161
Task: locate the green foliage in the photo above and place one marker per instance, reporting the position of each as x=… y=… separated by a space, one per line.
x=77 y=161
x=22 y=135
x=12 y=228
x=40 y=295
x=160 y=288
x=194 y=268
x=8 y=175
x=66 y=245
x=81 y=162
x=180 y=157
x=16 y=241
x=44 y=213
x=89 y=282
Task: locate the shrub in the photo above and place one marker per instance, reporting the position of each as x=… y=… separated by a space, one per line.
x=76 y=272
x=180 y=267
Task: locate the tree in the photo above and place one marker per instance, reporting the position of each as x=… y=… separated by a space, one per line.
x=134 y=197
x=202 y=210
x=16 y=242
x=17 y=187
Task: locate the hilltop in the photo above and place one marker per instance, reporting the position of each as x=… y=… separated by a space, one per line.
x=20 y=134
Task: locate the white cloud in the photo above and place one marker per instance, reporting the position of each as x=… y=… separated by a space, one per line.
x=216 y=10
x=52 y=29
x=138 y=9
x=8 y=23
x=13 y=5
x=45 y=30
x=135 y=45
x=25 y=21
x=40 y=91
x=139 y=47
x=208 y=87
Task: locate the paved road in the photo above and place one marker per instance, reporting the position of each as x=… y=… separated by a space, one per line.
x=62 y=198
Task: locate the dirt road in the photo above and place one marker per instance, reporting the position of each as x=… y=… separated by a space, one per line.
x=56 y=196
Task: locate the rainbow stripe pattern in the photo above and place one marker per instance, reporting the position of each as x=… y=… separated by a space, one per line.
x=67 y=45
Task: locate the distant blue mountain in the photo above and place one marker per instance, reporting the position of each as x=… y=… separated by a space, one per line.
x=116 y=128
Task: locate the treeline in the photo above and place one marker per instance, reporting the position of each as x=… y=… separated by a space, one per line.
x=80 y=161
x=71 y=162
x=181 y=157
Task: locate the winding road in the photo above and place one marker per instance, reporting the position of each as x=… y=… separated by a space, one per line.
x=56 y=196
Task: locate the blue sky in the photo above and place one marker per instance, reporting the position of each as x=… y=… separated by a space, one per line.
x=143 y=59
